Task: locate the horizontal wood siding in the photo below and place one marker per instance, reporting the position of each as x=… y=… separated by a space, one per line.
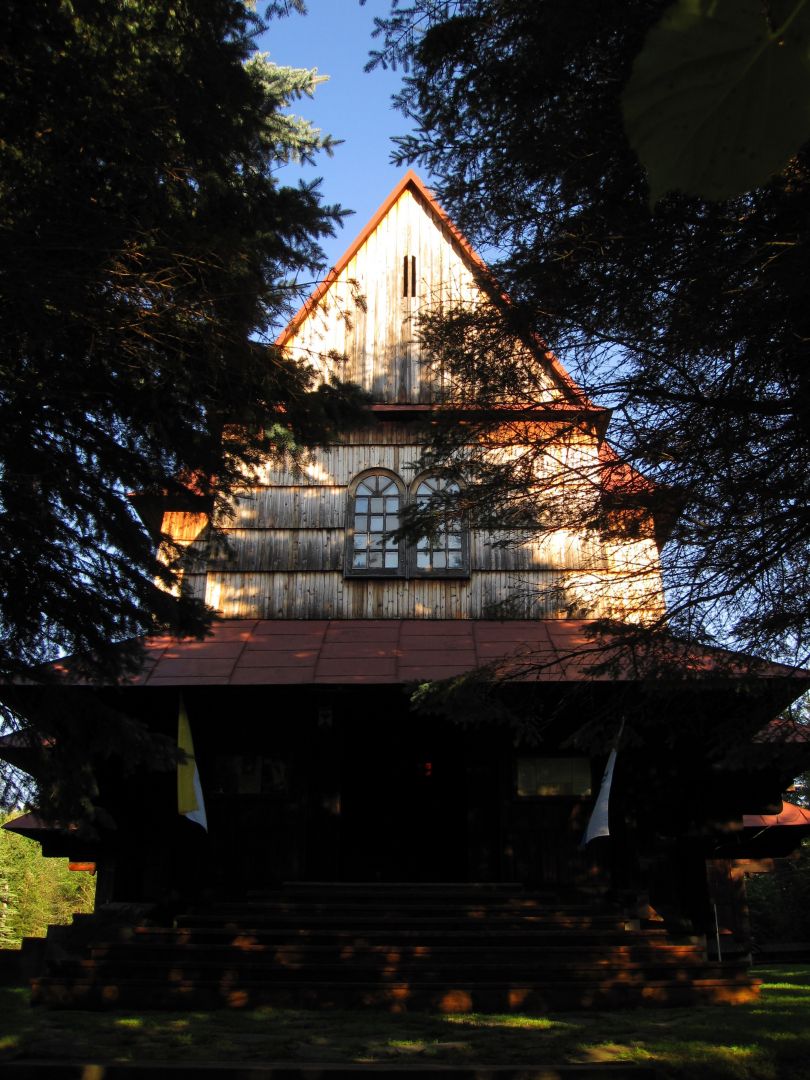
x=328 y=595
x=277 y=549
x=322 y=549
x=570 y=464
x=282 y=548
x=338 y=465
x=560 y=550
x=321 y=507
x=386 y=433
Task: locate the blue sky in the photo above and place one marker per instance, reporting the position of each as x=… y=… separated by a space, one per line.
x=335 y=38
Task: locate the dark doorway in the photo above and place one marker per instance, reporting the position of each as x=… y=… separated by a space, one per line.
x=403 y=801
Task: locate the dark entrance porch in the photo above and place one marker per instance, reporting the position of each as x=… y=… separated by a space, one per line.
x=404 y=802
x=358 y=789
x=361 y=789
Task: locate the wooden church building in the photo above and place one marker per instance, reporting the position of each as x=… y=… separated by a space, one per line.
x=327 y=793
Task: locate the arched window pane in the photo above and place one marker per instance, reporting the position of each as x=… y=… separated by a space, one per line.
x=444 y=549
x=376 y=513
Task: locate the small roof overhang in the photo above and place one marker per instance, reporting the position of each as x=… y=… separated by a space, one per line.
x=38 y=828
x=790 y=816
x=772 y=836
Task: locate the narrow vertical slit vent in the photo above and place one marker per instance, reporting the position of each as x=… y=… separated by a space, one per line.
x=409 y=275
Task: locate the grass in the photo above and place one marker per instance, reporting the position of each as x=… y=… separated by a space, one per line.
x=769 y=1040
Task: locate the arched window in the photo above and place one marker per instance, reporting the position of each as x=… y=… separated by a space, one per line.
x=445 y=551
x=375 y=504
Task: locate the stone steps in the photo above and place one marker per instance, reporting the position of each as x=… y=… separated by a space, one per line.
x=467 y=973
x=445 y=997
x=248 y=951
x=422 y=913
x=400 y=924
x=478 y=934
x=450 y=948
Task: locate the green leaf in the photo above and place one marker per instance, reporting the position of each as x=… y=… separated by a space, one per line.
x=718 y=100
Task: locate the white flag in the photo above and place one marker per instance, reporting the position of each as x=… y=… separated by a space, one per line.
x=598 y=824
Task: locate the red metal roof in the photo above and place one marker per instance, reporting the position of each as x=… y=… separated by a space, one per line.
x=357 y=651
x=396 y=651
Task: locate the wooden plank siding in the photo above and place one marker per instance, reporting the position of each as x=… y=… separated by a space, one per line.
x=364 y=316
x=328 y=595
x=290 y=507
x=572 y=460
x=279 y=551
x=313 y=549
x=297 y=595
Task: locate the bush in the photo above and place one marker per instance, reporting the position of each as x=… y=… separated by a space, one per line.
x=36 y=892
x=779 y=902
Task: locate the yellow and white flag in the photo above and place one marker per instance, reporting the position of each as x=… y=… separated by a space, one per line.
x=189 y=791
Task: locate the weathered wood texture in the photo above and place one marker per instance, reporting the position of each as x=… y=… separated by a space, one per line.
x=365 y=317
x=571 y=461
x=312 y=549
x=281 y=553
x=328 y=595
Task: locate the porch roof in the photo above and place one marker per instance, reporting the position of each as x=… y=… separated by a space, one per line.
x=399 y=651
